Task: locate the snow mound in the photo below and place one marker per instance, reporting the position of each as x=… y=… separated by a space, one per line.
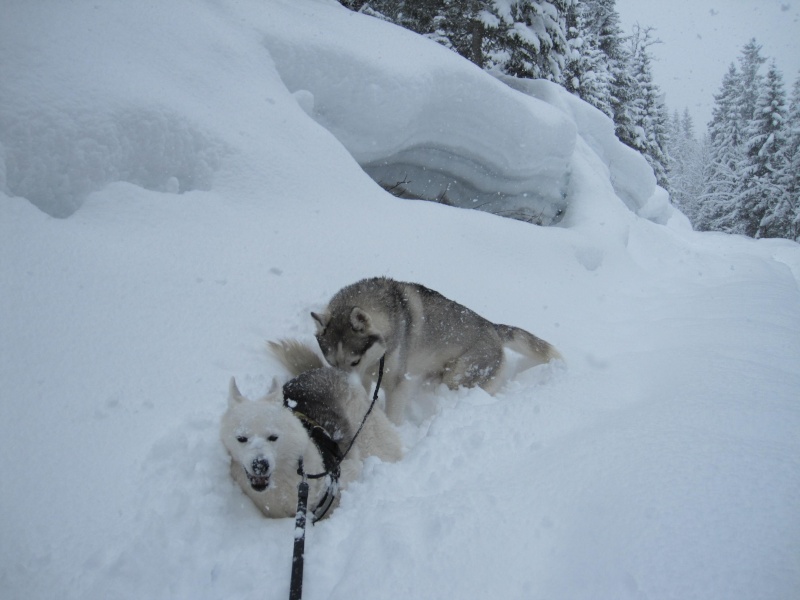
x=427 y=124
x=424 y=123
x=81 y=112
x=55 y=159
x=631 y=177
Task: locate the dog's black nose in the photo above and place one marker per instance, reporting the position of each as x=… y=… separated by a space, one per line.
x=260 y=467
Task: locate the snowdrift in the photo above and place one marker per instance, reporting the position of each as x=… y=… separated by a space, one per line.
x=181 y=182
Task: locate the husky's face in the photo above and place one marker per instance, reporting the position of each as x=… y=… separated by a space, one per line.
x=258 y=436
x=349 y=342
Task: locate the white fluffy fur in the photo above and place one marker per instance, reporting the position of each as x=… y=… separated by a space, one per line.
x=265 y=430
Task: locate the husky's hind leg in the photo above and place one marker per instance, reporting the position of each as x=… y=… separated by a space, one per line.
x=478 y=366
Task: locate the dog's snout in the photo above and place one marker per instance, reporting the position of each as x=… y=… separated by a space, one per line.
x=260 y=467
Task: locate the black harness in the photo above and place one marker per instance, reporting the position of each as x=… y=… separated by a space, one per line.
x=332 y=457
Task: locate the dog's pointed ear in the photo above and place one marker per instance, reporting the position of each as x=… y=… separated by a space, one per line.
x=321 y=320
x=234 y=395
x=359 y=320
x=275 y=385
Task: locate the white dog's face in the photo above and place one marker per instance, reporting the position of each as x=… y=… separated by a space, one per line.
x=258 y=436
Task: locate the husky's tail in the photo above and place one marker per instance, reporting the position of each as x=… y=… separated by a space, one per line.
x=296 y=356
x=528 y=344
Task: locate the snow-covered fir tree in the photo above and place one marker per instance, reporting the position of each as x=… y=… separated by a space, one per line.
x=603 y=21
x=717 y=211
x=752 y=180
x=791 y=175
x=464 y=26
x=531 y=38
x=624 y=101
x=641 y=116
x=750 y=80
x=760 y=205
x=734 y=107
x=589 y=70
x=524 y=38
x=687 y=166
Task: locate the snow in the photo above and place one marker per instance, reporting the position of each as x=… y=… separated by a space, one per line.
x=204 y=161
x=396 y=127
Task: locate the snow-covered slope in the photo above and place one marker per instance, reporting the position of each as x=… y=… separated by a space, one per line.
x=208 y=158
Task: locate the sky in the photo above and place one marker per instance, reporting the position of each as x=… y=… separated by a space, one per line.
x=702 y=37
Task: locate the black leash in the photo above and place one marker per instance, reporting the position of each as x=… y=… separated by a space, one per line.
x=296 y=584
x=364 y=420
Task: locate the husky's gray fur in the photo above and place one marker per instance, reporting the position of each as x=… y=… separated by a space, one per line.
x=265 y=439
x=422 y=333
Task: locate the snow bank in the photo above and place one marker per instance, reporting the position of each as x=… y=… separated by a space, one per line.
x=62 y=139
x=425 y=123
x=91 y=105
x=419 y=120
x=660 y=463
x=422 y=121
x=631 y=177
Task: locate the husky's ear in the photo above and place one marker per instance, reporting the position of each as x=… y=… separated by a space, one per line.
x=359 y=320
x=275 y=385
x=234 y=395
x=321 y=320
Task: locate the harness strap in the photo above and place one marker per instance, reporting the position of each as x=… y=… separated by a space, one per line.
x=296 y=585
x=331 y=460
x=332 y=456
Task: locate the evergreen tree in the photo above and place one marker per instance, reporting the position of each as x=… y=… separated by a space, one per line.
x=717 y=212
x=461 y=25
x=750 y=81
x=524 y=38
x=687 y=165
x=577 y=43
x=417 y=15
x=790 y=180
x=532 y=38
x=604 y=23
x=759 y=206
x=624 y=101
x=588 y=72
x=645 y=115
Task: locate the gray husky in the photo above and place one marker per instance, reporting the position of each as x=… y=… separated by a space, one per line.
x=313 y=417
x=423 y=334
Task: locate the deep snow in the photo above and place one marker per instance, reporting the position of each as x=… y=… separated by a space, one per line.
x=207 y=159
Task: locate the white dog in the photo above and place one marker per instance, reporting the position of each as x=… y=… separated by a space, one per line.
x=314 y=418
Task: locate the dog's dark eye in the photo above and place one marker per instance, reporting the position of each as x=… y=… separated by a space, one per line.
x=241 y=439
x=273 y=438
x=355 y=362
